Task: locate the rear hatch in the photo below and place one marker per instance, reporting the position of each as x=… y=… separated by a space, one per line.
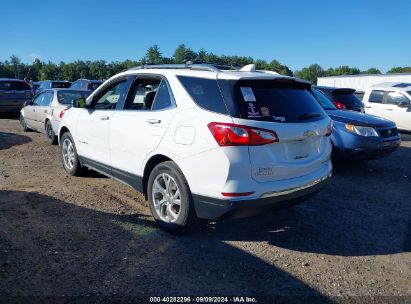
x=348 y=98
x=14 y=92
x=286 y=107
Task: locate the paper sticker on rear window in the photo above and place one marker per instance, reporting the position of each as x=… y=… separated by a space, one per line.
x=248 y=93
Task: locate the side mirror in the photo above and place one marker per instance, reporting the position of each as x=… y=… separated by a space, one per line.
x=79 y=103
x=404 y=104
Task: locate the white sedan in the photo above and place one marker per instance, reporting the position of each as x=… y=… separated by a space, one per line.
x=44 y=112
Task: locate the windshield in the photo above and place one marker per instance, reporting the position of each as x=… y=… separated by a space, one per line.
x=67 y=97
x=409 y=93
x=323 y=100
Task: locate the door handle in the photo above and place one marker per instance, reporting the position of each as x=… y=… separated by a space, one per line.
x=104 y=117
x=389 y=109
x=34 y=110
x=153 y=121
x=367 y=107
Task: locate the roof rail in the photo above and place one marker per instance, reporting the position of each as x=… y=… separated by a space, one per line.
x=203 y=67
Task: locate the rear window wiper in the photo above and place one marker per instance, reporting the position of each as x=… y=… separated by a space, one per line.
x=308 y=116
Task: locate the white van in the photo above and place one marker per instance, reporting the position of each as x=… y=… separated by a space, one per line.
x=390 y=100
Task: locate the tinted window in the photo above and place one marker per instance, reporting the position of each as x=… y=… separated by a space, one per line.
x=409 y=92
x=376 y=96
x=272 y=100
x=324 y=101
x=162 y=99
x=56 y=84
x=110 y=96
x=396 y=98
x=14 y=86
x=67 y=97
x=205 y=93
x=346 y=98
x=94 y=85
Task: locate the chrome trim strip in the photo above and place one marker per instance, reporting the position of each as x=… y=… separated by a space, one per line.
x=295 y=189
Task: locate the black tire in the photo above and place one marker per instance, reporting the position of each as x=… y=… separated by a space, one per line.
x=23 y=123
x=76 y=169
x=187 y=218
x=51 y=137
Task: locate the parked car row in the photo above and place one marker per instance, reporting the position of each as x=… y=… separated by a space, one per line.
x=205 y=143
x=15 y=93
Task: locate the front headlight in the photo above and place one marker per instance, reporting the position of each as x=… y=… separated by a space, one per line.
x=359 y=130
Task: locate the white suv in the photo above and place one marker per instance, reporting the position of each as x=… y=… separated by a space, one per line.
x=201 y=142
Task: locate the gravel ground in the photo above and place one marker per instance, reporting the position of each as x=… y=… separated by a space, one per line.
x=62 y=235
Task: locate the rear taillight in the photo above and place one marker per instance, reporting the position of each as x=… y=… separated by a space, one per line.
x=329 y=128
x=339 y=105
x=227 y=134
x=237 y=194
x=62 y=113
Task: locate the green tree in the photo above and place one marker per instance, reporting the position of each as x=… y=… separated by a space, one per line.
x=153 y=55
x=311 y=73
x=371 y=71
x=16 y=64
x=182 y=54
x=406 y=69
x=342 y=70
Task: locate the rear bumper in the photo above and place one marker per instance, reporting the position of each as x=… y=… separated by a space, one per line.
x=213 y=208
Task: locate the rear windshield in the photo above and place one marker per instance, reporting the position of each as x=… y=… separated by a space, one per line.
x=67 y=97
x=14 y=86
x=278 y=101
x=323 y=100
x=346 y=98
x=63 y=85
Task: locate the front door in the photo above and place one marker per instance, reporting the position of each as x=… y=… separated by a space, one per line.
x=93 y=129
x=395 y=109
x=137 y=129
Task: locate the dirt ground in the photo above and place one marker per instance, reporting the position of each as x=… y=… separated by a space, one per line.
x=62 y=235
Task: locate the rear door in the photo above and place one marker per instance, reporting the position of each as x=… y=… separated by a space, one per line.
x=374 y=103
x=139 y=125
x=400 y=115
x=31 y=112
x=42 y=111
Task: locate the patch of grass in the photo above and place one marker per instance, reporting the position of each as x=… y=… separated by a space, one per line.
x=142 y=231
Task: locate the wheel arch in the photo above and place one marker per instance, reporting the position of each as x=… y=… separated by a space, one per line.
x=62 y=131
x=150 y=164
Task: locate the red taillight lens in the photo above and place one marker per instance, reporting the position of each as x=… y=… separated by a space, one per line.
x=227 y=134
x=62 y=113
x=339 y=105
x=329 y=128
x=236 y=194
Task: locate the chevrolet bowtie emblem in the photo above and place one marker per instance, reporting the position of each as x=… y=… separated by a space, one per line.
x=309 y=133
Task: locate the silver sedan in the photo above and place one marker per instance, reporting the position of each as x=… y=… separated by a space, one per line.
x=45 y=111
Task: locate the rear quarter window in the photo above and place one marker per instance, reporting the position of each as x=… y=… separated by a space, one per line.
x=205 y=93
